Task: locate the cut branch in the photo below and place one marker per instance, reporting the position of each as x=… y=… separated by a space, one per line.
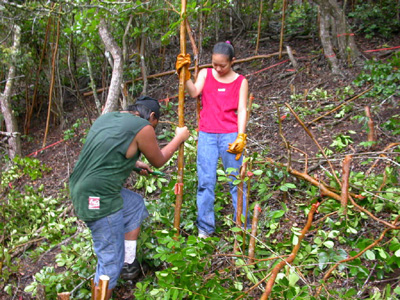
x=371 y=125
x=345 y=182
x=392 y=145
x=252 y=243
x=292 y=256
x=325 y=191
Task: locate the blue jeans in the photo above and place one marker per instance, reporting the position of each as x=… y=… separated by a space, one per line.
x=108 y=236
x=210 y=147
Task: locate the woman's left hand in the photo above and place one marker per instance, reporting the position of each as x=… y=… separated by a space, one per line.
x=238 y=145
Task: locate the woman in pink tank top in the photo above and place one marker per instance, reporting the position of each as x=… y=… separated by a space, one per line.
x=222 y=128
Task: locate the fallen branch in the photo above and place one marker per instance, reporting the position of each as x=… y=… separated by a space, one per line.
x=305 y=159
x=253 y=287
x=392 y=145
x=315 y=141
x=325 y=191
x=340 y=106
x=367 y=280
x=292 y=58
x=63 y=296
x=10 y=134
x=245 y=256
x=22 y=247
x=225 y=270
x=292 y=256
x=79 y=229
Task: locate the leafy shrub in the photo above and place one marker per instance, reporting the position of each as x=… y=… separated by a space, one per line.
x=301 y=19
x=393 y=124
x=376 y=18
x=78 y=260
x=385 y=76
x=27 y=215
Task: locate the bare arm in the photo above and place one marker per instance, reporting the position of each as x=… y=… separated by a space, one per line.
x=242 y=106
x=195 y=89
x=146 y=142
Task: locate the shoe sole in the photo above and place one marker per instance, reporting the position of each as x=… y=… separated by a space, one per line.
x=132 y=275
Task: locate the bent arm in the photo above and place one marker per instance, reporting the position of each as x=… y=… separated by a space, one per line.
x=242 y=106
x=195 y=89
x=146 y=142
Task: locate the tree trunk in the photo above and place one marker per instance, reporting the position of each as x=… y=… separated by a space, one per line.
x=259 y=26
x=93 y=83
x=127 y=98
x=14 y=141
x=344 y=38
x=327 y=42
x=143 y=63
x=116 y=77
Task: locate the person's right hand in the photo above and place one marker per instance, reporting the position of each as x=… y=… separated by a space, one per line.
x=183 y=61
x=182 y=132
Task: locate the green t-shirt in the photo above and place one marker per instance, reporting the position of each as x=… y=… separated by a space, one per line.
x=102 y=167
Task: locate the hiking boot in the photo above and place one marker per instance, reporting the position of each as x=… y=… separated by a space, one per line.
x=131 y=271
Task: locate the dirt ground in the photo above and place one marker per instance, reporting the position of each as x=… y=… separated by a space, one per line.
x=271 y=87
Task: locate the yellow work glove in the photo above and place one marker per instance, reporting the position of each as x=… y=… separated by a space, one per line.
x=183 y=61
x=238 y=145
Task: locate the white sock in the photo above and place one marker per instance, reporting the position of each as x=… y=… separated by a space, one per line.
x=130 y=251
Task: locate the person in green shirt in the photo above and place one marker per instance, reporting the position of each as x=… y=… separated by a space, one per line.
x=114 y=214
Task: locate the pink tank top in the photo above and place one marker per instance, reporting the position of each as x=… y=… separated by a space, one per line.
x=219 y=105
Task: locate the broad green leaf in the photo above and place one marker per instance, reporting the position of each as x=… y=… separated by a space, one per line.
x=257 y=172
x=370 y=255
x=293 y=278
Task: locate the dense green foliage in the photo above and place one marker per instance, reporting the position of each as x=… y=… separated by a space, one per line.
x=376 y=18
x=384 y=77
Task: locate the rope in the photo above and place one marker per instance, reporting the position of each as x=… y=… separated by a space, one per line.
x=51 y=145
x=382 y=49
x=270 y=67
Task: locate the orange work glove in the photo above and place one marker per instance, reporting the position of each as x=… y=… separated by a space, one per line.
x=183 y=61
x=238 y=145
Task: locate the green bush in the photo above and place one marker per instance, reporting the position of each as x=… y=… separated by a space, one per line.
x=376 y=18
x=384 y=76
